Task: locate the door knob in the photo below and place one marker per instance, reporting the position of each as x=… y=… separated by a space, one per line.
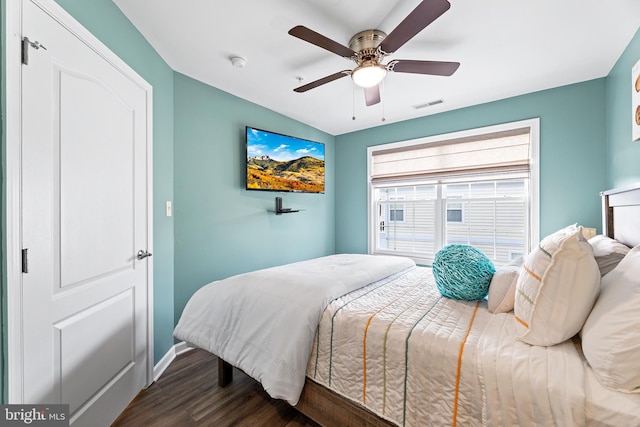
x=143 y=254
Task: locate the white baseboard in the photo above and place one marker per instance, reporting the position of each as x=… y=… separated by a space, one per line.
x=166 y=360
x=182 y=347
x=164 y=363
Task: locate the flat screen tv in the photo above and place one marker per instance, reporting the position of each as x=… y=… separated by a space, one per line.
x=277 y=162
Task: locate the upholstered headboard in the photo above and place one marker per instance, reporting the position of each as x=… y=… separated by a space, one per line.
x=621 y=214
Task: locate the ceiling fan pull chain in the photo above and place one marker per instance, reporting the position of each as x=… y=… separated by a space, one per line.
x=353 y=101
x=383 y=96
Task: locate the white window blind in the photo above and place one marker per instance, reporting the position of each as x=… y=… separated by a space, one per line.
x=504 y=153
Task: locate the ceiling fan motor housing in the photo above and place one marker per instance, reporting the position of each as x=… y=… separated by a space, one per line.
x=365 y=44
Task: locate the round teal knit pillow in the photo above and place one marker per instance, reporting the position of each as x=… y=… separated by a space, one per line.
x=462 y=272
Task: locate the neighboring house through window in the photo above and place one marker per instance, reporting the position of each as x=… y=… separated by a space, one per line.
x=396 y=209
x=396 y=214
x=477 y=187
x=454 y=212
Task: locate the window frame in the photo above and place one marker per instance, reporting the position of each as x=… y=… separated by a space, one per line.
x=533 y=235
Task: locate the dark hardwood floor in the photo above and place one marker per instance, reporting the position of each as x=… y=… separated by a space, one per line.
x=187 y=394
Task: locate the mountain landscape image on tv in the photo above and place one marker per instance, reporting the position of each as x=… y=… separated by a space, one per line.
x=278 y=162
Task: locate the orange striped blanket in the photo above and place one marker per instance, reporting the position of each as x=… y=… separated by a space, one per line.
x=419 y=359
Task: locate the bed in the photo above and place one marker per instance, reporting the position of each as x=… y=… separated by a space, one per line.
x=386 y=349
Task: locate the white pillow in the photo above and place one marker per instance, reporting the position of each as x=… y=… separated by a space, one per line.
x=502 y=290
x=556 y=289
x=611 y=334
x=608 y=252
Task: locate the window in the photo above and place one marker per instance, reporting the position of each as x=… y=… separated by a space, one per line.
x=476 y=187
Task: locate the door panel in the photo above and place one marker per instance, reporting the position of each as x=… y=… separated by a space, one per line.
x=96 y=172
x=84 y=363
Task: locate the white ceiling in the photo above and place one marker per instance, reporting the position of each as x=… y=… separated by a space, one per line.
x=505 y=47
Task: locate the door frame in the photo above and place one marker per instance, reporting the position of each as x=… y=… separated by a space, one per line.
x=13 y=161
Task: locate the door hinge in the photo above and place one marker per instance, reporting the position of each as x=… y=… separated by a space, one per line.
x=25 y=48
x=25 y=260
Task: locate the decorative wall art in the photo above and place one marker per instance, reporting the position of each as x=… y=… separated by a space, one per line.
x=635 y=101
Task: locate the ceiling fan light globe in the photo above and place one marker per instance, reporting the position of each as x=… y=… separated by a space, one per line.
x=368 y=75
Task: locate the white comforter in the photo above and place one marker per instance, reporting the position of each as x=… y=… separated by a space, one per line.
x=264 y=322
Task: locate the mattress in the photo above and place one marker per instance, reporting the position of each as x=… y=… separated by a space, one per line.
x=416 y=358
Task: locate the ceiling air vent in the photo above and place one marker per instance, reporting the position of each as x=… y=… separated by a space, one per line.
x=428 y=104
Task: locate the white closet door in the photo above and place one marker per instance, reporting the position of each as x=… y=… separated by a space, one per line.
x=84 y=219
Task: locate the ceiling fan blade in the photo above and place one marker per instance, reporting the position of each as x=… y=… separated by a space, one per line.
x=319 y=40
x=372 y=95
x=436 y=68
x=322 y=81
x=423 y=15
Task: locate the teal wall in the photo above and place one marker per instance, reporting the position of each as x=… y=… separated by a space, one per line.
x=623 y=155
x=572 y=173
x=222 y=229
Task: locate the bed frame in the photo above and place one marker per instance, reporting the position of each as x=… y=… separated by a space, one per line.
x=620 y=213
x=322 y=405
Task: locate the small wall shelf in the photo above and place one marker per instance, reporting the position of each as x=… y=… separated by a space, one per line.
x=280 y=210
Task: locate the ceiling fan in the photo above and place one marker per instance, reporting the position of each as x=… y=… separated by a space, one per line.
x=368 y=48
